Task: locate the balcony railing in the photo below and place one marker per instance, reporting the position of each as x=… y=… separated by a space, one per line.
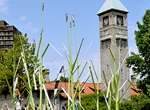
x=6 y=28
x=7 y=43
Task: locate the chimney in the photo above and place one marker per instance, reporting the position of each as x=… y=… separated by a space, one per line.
x=133 y=79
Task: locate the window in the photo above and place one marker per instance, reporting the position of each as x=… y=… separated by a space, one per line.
x=10 y=33
x=106 y=21
x=119 y=20
x=4 y=42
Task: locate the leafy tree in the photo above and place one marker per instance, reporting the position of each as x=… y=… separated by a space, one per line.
x=137 y=102
x=9 y=63
x=89 y=102
x=64 y=79
x=140 y=62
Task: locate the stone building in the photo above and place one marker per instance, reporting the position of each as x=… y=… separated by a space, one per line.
x=113 y=30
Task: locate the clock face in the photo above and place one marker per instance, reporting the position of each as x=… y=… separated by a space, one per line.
x=105 y=21
x=120 y=20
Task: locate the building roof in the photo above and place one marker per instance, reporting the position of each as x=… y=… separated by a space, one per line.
x=88 y=88
x=112 y=5
x=134 y=90
x=2 y=23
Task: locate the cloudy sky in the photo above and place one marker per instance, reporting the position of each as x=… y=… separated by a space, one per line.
x=27 y=16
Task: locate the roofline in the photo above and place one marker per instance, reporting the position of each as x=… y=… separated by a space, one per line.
x=125 y=12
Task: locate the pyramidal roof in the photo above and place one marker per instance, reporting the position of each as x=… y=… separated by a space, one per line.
x=112 y=5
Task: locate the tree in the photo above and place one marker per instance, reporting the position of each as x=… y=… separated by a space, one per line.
x=89 y=102
x=9 y=62
x=140 y=62
x=137 y=102
x=63 y=79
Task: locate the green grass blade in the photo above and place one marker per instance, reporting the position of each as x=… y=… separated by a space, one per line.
x=58 y=92
x=92 y=78
x=45 y=50
x=94 y=70
x=40 y=42
x=105 y=78
x=112 y=55
x=76 y=59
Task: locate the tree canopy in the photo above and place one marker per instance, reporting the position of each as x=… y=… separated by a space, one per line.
x=9 y=60
x=137 y=102
x=140 y=63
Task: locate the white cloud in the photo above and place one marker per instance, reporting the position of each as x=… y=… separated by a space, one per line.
x=30 y=26
x=4 y=6
x=22 y=18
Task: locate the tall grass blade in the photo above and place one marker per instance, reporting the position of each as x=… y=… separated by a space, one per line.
x=47 y=97
x=108 y=89
x=84 y=84
x=56 y=50
x=94 y=70
x=35 y=86
x=39 y=46
x=106 y=102
x=64 y=46
x=17 y=66
x=45 y=50
x=92 y=78
x=76 y=59
x=105 y=78
x=87 y=75
x=27 y=73
x=88 y=48
x=123 y=84
x=114 y=59
x=67 y=94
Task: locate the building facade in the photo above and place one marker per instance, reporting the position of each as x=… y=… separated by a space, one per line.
x=7 y=33
x=113 y=30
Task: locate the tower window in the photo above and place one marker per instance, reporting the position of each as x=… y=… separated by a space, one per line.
x=106 y=21
x=119 y=20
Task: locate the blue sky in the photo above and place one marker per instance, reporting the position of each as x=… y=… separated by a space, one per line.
x=26 y=15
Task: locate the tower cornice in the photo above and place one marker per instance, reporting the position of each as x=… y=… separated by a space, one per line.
x=114 y=5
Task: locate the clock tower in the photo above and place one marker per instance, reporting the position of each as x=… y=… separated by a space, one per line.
x=113 y=30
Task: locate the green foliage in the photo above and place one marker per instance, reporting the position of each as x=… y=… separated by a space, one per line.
x=140 y=63
x=63 y=79
x=89 y=102
x=148 y=89
x=9 y=62
x=137 y=102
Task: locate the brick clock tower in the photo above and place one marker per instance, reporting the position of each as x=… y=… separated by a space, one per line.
x=113 y=30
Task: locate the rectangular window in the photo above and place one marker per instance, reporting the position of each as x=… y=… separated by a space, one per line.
x=105 y=21
x=119 y=20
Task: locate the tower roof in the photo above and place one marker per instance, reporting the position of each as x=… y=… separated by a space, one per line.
x=112 y=5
